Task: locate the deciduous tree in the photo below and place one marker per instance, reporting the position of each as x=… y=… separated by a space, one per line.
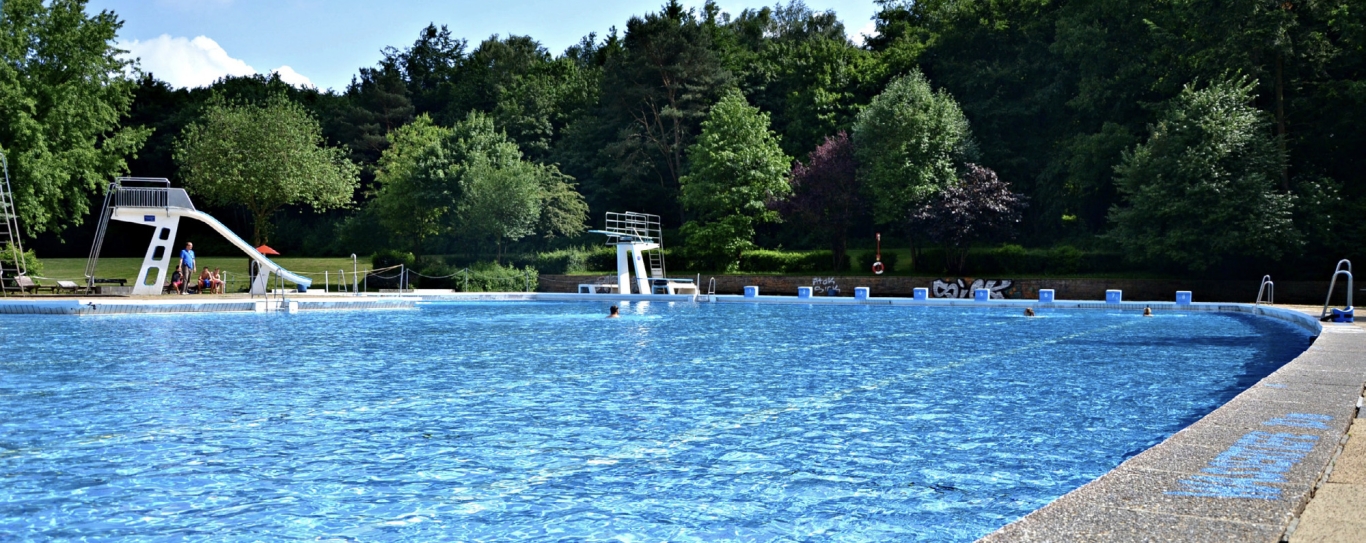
x=736 y=168
x=826 y=194
x=909 y=141
x=263 y=157
x=63 y=93
x=979 y=207
x=1203 y=187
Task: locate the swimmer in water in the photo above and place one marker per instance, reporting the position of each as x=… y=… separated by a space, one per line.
x=1029 y=312
x=612 y=313
x=1147 y=311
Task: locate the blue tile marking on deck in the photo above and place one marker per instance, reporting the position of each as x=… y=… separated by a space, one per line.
x=1301 y=420
x=1250 y=467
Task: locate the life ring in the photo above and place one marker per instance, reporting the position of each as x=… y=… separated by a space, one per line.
x=877 y=267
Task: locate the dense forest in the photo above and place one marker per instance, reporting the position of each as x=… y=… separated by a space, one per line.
x=1221 y=138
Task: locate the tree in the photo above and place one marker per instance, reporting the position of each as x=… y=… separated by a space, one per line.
x=736 y=167
x=414 y=192
x=909 y=141
x=263 y=157
x=979 y=207
x=1202 y=188
x=655 y=91
x=471 y=181
x=826 y=194
x=63 y=92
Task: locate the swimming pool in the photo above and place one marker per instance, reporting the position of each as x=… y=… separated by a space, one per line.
x=509 y=421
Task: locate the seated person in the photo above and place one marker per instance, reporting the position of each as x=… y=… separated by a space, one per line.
x=218 y=285
x=206 y=284
x=176 y=280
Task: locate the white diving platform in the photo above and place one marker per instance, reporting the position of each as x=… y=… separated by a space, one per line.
x=638 y=237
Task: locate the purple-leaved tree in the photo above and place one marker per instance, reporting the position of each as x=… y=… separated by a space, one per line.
x=979 y=207
x=826 y=194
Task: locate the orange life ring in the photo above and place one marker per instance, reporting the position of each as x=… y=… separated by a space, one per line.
x=877 y=267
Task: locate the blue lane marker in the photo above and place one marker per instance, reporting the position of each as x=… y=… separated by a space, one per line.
x=1251 y=467
x=1301 y=420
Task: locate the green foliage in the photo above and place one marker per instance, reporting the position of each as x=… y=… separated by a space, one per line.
x=786 y=261
x=604 y=258
x=471 y=181
x=737 y=167
x=493 y=277
x=569 y=260
x=263 y=157
x=1203 y=187
x=63 y=93
x=392 y=257
x=909 y=142
x=32 y=266
x=658 y=81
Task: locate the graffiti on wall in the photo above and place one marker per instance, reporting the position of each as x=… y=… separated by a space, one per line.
x=824 y=286
x=963 y=287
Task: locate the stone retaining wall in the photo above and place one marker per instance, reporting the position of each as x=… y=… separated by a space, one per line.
x=1203 y=290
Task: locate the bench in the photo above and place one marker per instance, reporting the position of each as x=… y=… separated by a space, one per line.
x=596 y=288
x=102 y=281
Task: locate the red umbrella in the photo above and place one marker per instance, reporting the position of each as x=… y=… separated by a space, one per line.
x=266 y=250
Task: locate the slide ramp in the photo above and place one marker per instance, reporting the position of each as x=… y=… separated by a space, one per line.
x=160 y=253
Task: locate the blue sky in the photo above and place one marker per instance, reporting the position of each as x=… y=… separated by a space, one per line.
x=324 y=42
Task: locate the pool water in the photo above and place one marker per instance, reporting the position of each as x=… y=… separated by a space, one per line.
x=545 y=421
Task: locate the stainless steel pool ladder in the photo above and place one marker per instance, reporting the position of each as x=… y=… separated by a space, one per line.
x=1338 y=270
x=1268 y=287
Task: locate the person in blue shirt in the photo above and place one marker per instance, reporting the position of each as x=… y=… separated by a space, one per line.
x=187 y=264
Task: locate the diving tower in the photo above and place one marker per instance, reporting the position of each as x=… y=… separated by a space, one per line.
x=151 y=201
x=638 y=238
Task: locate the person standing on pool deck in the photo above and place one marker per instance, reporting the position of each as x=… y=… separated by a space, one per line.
x=187 y=262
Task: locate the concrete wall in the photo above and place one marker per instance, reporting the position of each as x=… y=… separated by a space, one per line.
x=1203 y=290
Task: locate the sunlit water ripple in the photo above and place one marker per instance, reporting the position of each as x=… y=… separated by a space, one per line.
x=548 y=422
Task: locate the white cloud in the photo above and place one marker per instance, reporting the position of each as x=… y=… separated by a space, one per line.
x=288 y=75
x=197 y=62
x=864 y=33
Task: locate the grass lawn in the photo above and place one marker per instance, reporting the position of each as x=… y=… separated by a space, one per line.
x=73 y=269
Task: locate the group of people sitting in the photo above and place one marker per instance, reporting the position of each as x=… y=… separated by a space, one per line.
x=209 y=281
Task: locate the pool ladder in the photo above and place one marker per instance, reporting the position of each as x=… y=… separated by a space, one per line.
x=1339 y=270
x=1267 y=287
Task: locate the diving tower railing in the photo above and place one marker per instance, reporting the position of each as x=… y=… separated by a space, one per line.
x=639 y=238
x=153 y=202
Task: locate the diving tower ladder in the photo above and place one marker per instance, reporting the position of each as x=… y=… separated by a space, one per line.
x=151 y=201
x=12 y=262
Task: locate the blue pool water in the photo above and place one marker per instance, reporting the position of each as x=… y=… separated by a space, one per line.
x=547 y=422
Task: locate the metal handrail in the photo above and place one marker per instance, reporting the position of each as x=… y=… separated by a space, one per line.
x=711 y=286
x=1269 y=287
x=1337 y=270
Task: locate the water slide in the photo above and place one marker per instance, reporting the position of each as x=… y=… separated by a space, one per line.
x=162 y=209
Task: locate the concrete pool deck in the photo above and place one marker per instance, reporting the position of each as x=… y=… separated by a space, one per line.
x=208 y=303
